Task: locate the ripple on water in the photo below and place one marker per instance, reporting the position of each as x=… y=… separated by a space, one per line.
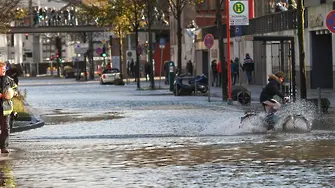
x=189 y=163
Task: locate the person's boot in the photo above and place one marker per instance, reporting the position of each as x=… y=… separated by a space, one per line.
x=4 y=150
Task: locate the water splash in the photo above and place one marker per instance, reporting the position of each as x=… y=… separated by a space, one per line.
x=225 y=124
x=300 y=107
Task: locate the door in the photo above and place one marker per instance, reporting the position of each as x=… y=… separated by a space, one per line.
x=205 y=62
x=322 y=61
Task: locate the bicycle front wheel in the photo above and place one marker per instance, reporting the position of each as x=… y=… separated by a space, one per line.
x=296 y=123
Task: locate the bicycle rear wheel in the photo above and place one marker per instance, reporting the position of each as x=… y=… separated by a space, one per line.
x=296 y=123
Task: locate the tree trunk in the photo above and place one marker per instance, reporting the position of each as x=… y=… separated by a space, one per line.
x=121 y=47
x=221 y=50
x=179 y=38
x=150 y=44
x=302 y=64
x=85 y=61
x=137 y=65
x=91 y=62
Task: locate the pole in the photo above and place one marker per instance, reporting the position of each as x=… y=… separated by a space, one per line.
x=293 y=69
x=209 y=75
x=319 y=101
x=195 y=63
x=282 y=68
x=302 y=63
x=228 y=54
x=221 y=48
x=251 y=9
x=160 y=69
x=239 y=57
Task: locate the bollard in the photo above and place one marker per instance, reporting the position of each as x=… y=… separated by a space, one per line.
x=319 y=101
x=171 y=75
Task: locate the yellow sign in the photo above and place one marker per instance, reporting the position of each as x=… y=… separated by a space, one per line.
x=238 y=8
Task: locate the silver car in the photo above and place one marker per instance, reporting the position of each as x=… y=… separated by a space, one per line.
x=109 y=76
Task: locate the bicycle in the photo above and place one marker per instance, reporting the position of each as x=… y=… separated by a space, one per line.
x=289 y=123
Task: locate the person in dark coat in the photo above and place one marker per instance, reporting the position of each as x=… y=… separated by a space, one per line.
x=189 y=67
x=234 y=70
x=267 y=95
x=215 y=73
x=148 y=71
x=248 y=67
x=132 y=68
x=166 y=71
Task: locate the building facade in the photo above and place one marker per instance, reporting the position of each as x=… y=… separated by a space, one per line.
x=273 y=56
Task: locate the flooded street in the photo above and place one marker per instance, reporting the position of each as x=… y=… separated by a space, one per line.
x=126 y=138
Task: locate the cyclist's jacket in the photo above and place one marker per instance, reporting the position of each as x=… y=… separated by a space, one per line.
x=271 y=89
x=6 y=105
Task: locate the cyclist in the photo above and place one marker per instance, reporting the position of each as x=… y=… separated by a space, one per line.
x=266 y=98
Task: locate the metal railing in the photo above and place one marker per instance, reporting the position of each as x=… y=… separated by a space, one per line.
x=272 y=22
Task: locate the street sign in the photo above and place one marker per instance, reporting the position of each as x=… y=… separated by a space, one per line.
x=238 y=12
x=209 y=41
x=81 y=48
x=77 y=59
x=330 y=21
x=162 y=43
x=99 y=50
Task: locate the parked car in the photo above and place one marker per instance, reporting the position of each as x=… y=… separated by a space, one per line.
x=110 y=76
x=69 y=72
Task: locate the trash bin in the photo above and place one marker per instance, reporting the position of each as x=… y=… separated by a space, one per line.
x=171 y=75
x=241 y=94
x=244 y=97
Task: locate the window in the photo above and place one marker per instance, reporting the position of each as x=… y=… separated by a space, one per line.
x=204 y=5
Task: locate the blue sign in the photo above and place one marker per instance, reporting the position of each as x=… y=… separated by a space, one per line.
x=238 y=31
x=209 y=40
x=162 y=41
x=330 y=21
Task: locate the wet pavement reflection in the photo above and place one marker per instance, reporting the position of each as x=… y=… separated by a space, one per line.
x=184 y=143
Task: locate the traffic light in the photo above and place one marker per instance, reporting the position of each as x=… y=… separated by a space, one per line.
x=27 y=36
x=51 y=57
x=59 y=49
x=103 y=54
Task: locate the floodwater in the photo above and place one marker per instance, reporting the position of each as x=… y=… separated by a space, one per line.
x=160 y=141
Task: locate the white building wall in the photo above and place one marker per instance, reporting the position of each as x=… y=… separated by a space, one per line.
x=3 y=48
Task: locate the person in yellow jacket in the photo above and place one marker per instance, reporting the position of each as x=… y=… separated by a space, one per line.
x=7 y=91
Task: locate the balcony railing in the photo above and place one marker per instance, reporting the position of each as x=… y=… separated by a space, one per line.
x=274 y=22
x=271 y=23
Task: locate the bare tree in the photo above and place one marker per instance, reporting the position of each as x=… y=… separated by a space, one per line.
x=177 y=7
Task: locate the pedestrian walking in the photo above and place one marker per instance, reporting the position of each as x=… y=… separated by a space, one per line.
x=248 y=67
x=215 y=73
x=7 y=91
x=189 y=67
x=234 y=70
x=219 y=69
x=132 y=68
x=166 y=71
